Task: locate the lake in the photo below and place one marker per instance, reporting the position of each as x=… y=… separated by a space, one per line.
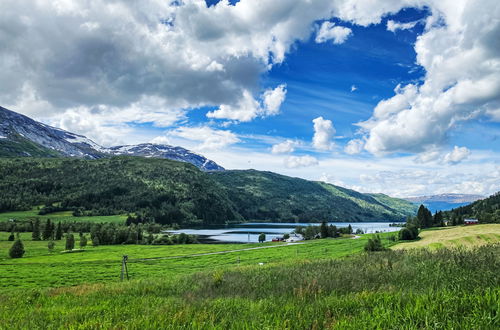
x=249 y=232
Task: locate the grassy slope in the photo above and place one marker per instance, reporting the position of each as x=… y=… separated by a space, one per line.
x=390 y=290
x=455 y=236
x=260 y=195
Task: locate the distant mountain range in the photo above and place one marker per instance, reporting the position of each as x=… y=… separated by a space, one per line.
x=23 y=136
x=444 y=202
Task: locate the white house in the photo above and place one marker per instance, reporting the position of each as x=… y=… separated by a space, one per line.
x=294 y=238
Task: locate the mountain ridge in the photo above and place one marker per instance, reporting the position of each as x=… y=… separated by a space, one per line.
x=23 y=136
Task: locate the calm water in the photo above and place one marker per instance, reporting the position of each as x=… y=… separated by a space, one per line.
x=249 y=232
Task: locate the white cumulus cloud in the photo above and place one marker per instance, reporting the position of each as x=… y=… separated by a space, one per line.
x=354 y=146
x=323 y=134
x=300 y=161
x=329 y=31
x=393 y=26
x=457 y=155
x=460 y=54
x=284 y=147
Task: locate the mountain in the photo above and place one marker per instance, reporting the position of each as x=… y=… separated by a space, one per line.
x=260 y=195
x=177 y=192
x=165 y=151
x=23 y=136
x=486 y=210
x=444 y=202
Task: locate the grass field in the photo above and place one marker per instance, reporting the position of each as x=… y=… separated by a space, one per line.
x=419 y=289
x=60 y=216
x=41 y=269
x=455 y=236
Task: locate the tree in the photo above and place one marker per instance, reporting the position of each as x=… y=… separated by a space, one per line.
x=374 y=244
x=17 y=249
x=11 y=236
x=51 y=245
x=59 y=232
x=349 y=229
x=424 y=217
x=48 y=230
x=83 y=241
x=438 y=219
x=262 y=238
x=35 y=235
x=70 y=242
x=324 y=230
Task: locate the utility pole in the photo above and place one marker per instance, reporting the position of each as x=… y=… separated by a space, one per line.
x=124 y=268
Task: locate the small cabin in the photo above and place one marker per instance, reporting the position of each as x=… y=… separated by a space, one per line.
x=471 y=222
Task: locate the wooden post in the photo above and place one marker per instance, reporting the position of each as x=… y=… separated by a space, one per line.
x=124 y=268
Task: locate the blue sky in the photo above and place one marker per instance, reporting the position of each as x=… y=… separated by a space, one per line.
x=399 y=97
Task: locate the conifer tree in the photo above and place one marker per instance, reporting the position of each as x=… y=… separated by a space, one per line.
x=11 y=236
x=17 y=249
x=59 y=232
x=35 y=235
x=324 y=230
x=47 y=231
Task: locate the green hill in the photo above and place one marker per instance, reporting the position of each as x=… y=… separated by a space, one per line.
x=485 y=210
x=266 y=195
x=172 y=192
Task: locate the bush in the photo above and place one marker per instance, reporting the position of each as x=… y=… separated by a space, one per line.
x=51 y=245
x=17 y=249
x=374 y=244
x=408 y=233
x=70 y=242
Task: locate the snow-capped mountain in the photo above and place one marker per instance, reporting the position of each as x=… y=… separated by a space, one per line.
x=166 y=151
x=23 y=136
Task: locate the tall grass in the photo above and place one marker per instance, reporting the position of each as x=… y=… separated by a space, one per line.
x=443 y=289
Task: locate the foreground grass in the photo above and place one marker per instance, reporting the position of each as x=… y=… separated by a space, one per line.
x=466 y=236
x=41 y=269
x=60 y=216
x=445 y=289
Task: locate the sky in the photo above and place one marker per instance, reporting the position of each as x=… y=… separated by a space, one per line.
x=396 y=96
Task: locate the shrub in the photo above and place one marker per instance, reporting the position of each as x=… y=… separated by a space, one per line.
x=17 y=249
x=70 y=242
x=408 y=233
x=51 y=245
x=374 y=244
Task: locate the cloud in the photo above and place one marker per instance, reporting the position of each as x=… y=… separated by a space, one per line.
x=272 y=100
x=393 y=26
x=461 y=58
x=285 y=147
x=207 y=137
x=248 y=108
x=457 y=155
x=323 y=134
x=354 y=88
x=300 y=161
x=161 y=140
x=354 y=147
x=328 y=31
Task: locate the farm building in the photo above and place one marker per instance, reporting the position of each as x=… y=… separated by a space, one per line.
x=471 y=221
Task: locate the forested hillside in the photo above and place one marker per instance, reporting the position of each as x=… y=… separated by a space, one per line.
x=486 y=210
x=171 y=192
x=156 y=189
x=271 y=196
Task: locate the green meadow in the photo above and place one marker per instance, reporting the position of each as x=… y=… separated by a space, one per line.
x=60 y=216
x=41 y=268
